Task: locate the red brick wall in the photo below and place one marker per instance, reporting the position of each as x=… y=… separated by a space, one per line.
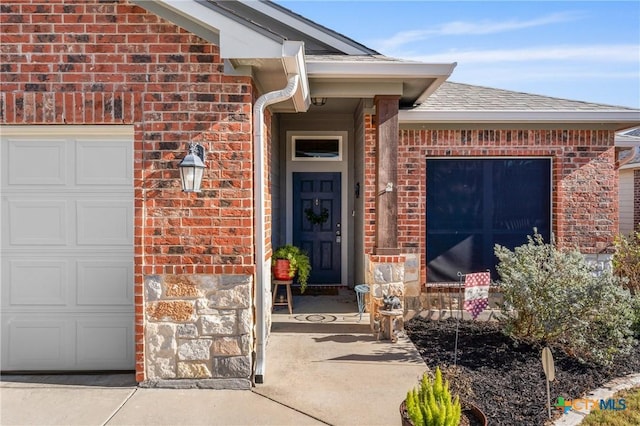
x=584 y=191
x=111 y=62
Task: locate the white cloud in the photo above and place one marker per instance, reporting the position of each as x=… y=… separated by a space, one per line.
x=499 y=75
x=620 y=53
x=461 y=28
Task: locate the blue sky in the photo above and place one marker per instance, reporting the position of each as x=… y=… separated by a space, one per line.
x=583 y=50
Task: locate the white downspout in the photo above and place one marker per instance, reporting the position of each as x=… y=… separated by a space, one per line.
x=263 y=275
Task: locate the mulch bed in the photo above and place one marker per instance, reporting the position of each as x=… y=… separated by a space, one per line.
x=506 y=379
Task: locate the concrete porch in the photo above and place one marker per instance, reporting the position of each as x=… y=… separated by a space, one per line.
x=325 y=361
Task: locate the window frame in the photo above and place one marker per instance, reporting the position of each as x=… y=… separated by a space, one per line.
x=549 y=214
x=337 y=138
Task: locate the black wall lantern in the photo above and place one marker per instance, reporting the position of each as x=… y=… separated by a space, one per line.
x=192 y=168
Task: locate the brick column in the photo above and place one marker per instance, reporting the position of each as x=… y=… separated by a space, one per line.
x=387 y=131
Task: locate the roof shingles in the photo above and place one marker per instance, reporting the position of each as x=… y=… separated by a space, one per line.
x=465 y=97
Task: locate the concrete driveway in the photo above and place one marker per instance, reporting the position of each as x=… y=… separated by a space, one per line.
x=323 y=367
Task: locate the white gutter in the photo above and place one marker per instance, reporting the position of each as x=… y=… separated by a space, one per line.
x=263 y=276
x=418 y=116
x=627 y=141
x=376 y=69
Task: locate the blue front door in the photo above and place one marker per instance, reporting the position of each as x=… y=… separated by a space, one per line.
x=316 y=223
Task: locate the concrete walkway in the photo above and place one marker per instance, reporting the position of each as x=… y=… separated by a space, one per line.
x=573 y=417
x=326 y=363
x=323 y=367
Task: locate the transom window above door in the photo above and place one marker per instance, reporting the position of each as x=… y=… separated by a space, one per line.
x=316 y=148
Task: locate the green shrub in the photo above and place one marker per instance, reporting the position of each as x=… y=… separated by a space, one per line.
x=431 y=403
x=626 y=260
x=555 y=298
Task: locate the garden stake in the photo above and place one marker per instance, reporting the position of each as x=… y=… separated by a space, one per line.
x=549 y=373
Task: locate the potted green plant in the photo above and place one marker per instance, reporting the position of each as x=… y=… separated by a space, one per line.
x=431 y=403
x=288 y=261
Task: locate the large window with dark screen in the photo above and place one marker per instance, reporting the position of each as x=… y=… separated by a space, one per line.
x=473 y=204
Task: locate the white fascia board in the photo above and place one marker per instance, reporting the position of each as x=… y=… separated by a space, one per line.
x=554 y=116
x=631 y=166
x=303 y=27
x=627 y=144
x=234 y=39
x=368 y=69
x=627 y=141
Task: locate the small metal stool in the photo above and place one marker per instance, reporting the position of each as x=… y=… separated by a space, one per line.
x=361 y=290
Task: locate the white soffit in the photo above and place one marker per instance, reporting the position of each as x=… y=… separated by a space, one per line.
x=363 y=77
x=234 y=39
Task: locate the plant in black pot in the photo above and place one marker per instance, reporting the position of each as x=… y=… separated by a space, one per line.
x=288 y=261
x=431 y=403
x=434 y=403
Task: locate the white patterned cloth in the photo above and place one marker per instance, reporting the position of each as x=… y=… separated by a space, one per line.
x=476 y=292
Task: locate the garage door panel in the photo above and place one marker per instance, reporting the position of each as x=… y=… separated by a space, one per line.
x=100 y=163
x=38 y=282
x=67 y=248
x=107 y=343
x=60 y=342
x=105 y=282
x=104 y=222
x=37 y=162
x=38 y=344
x=38 y=222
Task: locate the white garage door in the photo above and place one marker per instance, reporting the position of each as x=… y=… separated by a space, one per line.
x=67 y=248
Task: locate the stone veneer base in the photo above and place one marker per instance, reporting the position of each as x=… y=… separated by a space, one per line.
x=198 y=330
